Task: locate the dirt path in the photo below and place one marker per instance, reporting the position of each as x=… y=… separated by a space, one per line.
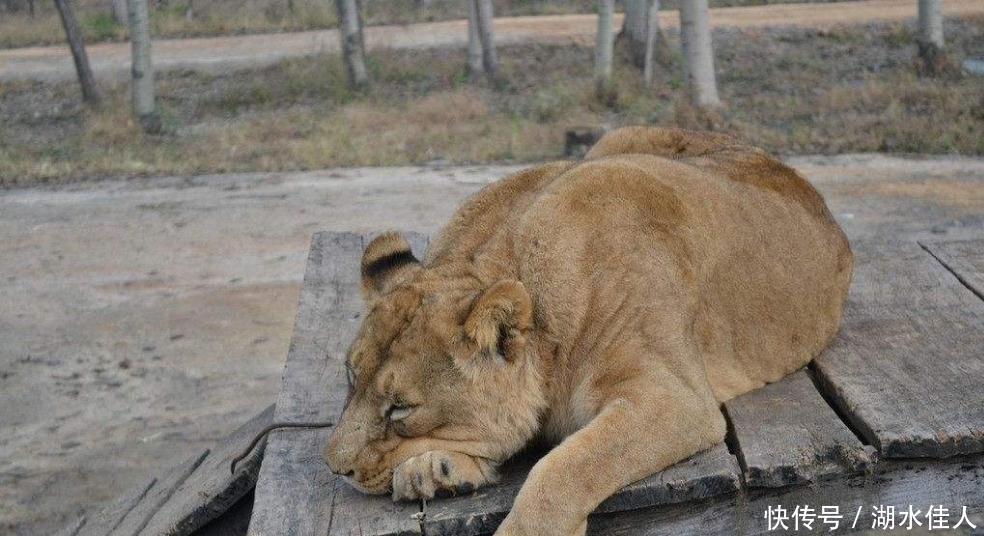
x=141 y=320
x=222 y=53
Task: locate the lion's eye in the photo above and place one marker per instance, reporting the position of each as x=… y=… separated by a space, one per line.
x=396 y=413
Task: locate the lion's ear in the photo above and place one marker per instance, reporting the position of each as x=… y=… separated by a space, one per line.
x=386 y=261
x=499 y=318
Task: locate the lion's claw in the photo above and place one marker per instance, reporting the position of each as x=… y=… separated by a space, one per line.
x=436 y=474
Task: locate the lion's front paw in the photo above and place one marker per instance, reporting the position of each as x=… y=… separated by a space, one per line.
x=441 y=474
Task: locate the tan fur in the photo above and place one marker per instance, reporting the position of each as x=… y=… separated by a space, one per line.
x=609 y=305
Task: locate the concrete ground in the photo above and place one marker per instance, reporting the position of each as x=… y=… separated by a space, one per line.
x=141 y=320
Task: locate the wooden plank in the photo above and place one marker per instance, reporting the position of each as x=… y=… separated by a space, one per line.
x=73 y=528
x=296 y=493
x=136 y=519
x=212 y=488
x=787 y=434
x=951 y=483
x=707 y=474
x=354 y=513
x=107 y=519
x=964 y=258
x=906 y=367
x=232 y=522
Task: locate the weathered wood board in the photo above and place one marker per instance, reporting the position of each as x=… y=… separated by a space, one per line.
x=787 y=434
x=964 y=258
x=232 y=522
x=187 y=497
x=907 y=365
x=212 y=489
x=136 y=520
x=950 y=483
x=106 y=520
x=296 y=493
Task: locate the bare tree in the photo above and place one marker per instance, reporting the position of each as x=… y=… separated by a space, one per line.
x=698 y=54
x=474 y=42
x=490 y=58
x=640 y=31
x=604 y=48
x=652 y=37
x=353 y=45
x=89 y=92
x=118 y=9
x=634 y=29
x=931 y=47
x=142 y=70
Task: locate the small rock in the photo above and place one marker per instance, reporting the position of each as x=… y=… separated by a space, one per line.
x=149 y=348
x=177 y=336
x=124 y=364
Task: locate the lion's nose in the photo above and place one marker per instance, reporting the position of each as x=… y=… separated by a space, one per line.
x=335 y=468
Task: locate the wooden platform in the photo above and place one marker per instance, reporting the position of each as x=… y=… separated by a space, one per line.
x=891 y=414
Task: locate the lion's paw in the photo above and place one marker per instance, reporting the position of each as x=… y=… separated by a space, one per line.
x=437 y=474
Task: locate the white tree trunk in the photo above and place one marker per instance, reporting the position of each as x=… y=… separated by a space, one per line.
x=141 y=69
x=118 y=8
x=605 y=46
x=652 y=35
x=474 y=41
x=635 y=28
x=931 y=22
x=931 y=46
x=353 y=48
x=490 y=58
x=698 y=55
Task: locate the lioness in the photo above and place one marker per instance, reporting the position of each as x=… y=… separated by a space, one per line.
x=609 y=305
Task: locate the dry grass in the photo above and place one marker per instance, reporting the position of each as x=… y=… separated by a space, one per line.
x=790 y=91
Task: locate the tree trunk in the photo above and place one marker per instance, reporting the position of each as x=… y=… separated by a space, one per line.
x=698 y=55
x=353 y=47
x=931 y=47
x=490 y=59
x=118 y=8
x=652 y=37
x=604 y=48
x=74 y=36
x=141 y=68
x=30 y=7
x=635 y=28
x=474 y=66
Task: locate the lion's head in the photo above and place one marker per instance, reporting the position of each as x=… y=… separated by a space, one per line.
x=442 y=362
